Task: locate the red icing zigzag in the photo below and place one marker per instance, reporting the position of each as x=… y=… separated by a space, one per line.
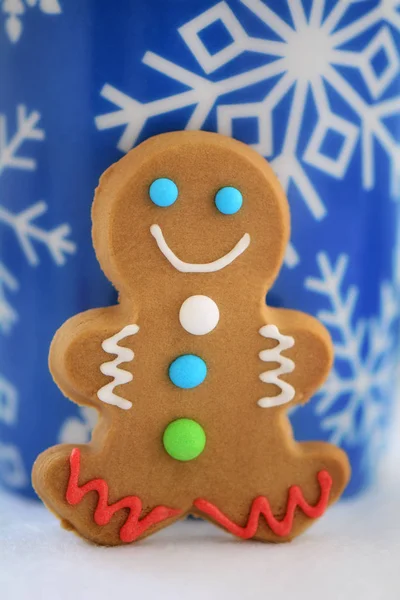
x=261 y=506
x=133 y=527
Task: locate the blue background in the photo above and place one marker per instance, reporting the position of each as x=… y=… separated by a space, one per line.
x=59 y=67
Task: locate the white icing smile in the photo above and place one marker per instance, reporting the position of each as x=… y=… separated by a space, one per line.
x=211 y=267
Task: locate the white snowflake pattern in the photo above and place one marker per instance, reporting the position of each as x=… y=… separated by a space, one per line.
x=77 y=430
x=12 y=469
x=8 y=402
x=29 y=235
x=27 y=232
x=26 y=129
x=396 y=249
x=352 y=405
x=14 y=11
x=305 y=61
x=8 y=315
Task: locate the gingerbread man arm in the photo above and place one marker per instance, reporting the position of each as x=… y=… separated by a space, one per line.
x=307 y=345
x=78 y=361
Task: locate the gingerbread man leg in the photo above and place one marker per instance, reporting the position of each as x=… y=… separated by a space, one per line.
x=69 y=480
x=277 y=507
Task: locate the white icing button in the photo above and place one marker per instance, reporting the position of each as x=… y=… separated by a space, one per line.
x=199 y=315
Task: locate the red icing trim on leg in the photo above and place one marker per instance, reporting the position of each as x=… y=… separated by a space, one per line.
x=133 y=527
x=261 y=506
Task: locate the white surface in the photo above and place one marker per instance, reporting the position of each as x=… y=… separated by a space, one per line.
x=352 y=552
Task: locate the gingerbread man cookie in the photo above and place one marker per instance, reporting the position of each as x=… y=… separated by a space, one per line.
x=191 y=372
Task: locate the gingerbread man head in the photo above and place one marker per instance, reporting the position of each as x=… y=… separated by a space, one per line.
x=191 y=372
x=197 y=202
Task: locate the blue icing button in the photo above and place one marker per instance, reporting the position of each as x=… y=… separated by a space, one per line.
x=228 y=200
x=187 y=371
x=163 y=192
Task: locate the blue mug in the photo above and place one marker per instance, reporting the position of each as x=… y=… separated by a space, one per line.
x=314 y=86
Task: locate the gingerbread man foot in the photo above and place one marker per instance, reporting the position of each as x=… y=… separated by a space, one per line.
x=283 y=528
x=279 y=512
x=123 y=521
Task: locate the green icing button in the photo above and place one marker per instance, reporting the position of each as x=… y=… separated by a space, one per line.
x=184 y=439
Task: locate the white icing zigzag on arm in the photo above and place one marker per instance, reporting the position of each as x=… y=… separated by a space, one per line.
x=286 y=366
x=110 y=345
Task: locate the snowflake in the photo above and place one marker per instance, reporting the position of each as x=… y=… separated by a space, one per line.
x=12 y=470
x=353 y=403
x=28 y=235
x=396 y=250
x=26 y=130
x=77 y=430
x=23 y=223
x=8 y=402
x=14 y=9
x=304 y=62
x=8 y=315
x=27 y=232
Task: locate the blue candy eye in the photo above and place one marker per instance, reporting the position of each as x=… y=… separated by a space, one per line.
x=228 y=200
x=163 y=191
